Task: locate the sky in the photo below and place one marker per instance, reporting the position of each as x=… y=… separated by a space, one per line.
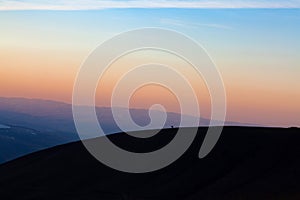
x=254 y=44
x=104 y=4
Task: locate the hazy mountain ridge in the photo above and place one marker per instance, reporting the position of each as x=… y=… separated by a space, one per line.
x=55 y=121
x=18 y=141
x=63 y=111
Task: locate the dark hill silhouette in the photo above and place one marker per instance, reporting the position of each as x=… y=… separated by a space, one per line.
x=246 y=163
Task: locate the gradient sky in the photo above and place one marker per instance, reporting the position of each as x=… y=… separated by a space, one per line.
x=256 y=50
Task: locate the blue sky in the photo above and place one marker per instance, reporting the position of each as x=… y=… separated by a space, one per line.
x=256 y=50
x=103 y=4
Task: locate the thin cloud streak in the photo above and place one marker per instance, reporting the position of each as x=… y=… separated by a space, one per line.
x=186 y=24
x=106 y=4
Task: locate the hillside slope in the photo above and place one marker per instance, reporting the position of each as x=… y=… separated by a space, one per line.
x=247 y=163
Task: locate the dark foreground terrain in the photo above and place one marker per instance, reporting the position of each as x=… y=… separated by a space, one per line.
x=246 y=163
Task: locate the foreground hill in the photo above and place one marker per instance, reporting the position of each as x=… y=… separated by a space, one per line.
x=247 y=163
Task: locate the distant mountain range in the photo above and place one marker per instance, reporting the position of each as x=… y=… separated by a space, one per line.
x=53 y=123
x=54 y=115
x=17 y=141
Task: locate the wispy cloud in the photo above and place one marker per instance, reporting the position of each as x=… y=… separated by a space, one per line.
x=104 y=4
x=181 y=23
